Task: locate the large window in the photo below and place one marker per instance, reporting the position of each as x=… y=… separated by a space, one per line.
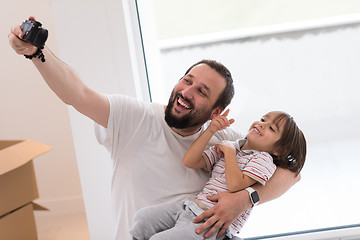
x=297 y=56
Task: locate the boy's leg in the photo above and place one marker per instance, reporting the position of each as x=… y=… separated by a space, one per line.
x=183 y=229
x=151 y=220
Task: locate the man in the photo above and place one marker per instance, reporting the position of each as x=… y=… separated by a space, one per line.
x=147 y=140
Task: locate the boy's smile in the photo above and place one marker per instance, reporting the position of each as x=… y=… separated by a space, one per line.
x=263 y=134
x=257 y=130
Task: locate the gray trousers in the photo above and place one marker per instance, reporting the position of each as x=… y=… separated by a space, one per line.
x=168 y=221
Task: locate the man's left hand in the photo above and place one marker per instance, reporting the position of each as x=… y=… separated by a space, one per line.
x=228 y=207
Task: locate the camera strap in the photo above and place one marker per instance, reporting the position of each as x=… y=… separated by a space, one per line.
x=38 y=54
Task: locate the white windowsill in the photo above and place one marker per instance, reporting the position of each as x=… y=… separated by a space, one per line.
x=350 y=233
x=258 y=31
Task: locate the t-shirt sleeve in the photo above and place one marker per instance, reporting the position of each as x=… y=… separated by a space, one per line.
x=260 y=167
x=126 y=118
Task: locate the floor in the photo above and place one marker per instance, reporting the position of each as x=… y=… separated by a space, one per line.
x=61 y=227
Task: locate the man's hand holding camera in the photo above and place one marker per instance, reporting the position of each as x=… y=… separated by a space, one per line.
x=28 y=39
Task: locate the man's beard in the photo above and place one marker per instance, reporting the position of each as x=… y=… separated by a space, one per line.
x=192 y=119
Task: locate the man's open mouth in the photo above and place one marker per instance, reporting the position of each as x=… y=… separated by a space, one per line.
x=183 y=103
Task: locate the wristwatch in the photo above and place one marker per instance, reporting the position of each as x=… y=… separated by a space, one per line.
x=254 y=196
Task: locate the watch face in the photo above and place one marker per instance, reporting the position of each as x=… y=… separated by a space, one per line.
x=255 y=197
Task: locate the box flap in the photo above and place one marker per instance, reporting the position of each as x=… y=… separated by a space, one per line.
x=38 y=207
x=16 y=153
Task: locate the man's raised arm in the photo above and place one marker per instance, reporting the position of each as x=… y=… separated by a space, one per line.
x=63 y=80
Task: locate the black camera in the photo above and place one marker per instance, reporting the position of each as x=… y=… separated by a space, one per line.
x=34 y=33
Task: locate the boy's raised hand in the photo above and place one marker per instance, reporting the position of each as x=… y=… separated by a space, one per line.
x=221 y=122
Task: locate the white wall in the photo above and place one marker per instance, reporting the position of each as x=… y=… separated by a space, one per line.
x=29 y=110
x=94 y=38
x=100 y=40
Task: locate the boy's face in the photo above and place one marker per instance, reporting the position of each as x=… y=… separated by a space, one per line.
x=192 y=99
x=263 y=134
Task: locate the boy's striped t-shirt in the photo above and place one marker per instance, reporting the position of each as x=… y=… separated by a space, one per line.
x=255 y=164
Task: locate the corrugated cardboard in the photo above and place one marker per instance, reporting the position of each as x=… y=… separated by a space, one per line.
x=18 y=186
x=19 y=224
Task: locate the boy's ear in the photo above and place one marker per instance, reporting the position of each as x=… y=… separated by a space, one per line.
x=216 y=112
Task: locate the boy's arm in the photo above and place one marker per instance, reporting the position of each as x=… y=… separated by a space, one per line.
x=235 y=179
x=193 y=157
x=63 y=80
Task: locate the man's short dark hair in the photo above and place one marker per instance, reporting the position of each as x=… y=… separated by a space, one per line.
x=228 y=93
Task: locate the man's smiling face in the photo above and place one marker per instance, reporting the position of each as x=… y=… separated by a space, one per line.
x=192 y=99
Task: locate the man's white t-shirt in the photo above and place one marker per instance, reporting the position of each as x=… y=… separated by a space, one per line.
x=147 y=159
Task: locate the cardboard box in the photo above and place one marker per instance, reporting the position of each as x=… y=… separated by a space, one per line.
x=20 y=223
x=18 y=184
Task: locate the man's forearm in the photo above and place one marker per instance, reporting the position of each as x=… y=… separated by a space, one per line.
x=62 y=79
x=281 y=181
x=68 y=86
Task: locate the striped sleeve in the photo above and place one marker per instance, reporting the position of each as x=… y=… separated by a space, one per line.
x=260 y=167
x=211 y=157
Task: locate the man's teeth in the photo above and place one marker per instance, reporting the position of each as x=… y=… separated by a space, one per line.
x=256 y=130
x=183 y=104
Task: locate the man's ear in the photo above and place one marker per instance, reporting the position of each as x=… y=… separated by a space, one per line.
x=216 y=112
